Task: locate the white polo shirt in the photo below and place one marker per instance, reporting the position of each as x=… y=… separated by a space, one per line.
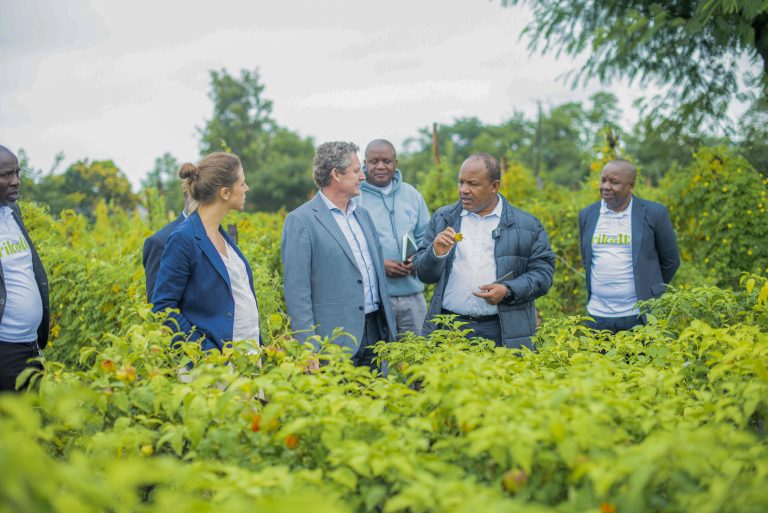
x=612 y=273
x=23 y=304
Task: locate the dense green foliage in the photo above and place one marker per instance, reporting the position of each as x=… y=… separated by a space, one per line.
x=697 y=48
x=164 y=178
x=80 y=187
x=669 y=417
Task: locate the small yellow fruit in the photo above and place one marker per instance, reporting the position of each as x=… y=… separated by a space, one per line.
x=457 y=237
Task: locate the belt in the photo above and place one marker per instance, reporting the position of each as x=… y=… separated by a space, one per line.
x=371 y=315
x=473 y=318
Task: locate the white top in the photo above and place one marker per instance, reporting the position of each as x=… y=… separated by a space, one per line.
x=355 y=236
x=246 y=324
x=613 y=278
x=23 y=304
x=474 y=264
x=384 y=190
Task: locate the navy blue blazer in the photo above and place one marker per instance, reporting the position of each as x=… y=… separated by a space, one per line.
x=153 y=250
x=655 y=256
x=193 y=279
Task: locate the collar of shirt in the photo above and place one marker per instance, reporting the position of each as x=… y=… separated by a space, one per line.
x=496 y=211
x=328 y=203
x=605 y=210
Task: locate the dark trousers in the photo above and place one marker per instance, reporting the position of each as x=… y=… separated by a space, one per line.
x=615 y=324
x=13 y=360
x=486 y=326
x=375 y=330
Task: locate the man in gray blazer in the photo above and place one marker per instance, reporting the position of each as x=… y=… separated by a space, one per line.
x=628 y=248
x=332 y=261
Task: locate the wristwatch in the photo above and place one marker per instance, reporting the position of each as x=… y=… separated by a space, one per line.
x=509 y=296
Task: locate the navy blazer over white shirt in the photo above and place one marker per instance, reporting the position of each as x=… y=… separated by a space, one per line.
x=655 y=256
x=153 y=250
x=194 y=280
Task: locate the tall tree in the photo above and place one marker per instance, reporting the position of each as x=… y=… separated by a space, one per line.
x=164 y=177
x=82 y=186
x=695 y=47
x=277 y=162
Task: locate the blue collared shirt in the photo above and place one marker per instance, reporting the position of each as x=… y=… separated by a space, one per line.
x=355 y=236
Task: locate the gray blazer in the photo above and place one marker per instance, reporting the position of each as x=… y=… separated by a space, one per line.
x=323 y=286
x=655 y=257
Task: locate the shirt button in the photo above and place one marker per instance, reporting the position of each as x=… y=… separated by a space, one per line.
x=360 y=308
x=359 y=281
x=229 y=314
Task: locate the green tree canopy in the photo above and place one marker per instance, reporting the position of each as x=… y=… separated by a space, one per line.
x=698 y=48
x=164 y=177
x=80 y=187
x=556 y=145
x=277 y=162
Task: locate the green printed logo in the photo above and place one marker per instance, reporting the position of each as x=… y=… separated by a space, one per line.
x=9 y=248
x=621 y=239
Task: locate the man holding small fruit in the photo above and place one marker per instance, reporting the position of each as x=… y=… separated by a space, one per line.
x=490 y=260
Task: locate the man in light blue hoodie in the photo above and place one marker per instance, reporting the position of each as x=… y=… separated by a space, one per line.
x=397 y=209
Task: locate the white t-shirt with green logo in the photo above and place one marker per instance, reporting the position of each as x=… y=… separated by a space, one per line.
x=612 y=281
x=23 y=304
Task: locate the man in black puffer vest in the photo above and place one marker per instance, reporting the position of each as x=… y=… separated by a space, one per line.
x=489 y=259
x=24 y=308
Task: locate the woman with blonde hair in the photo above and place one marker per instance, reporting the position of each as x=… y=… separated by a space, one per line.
x=202 y=273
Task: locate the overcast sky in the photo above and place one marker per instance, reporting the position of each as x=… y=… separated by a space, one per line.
x=129 y=80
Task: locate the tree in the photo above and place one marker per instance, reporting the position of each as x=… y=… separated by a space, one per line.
x=753 y=132
x=561 y=141
x=695 y=47
x=277 y=162
x=82 y=186
x=164 y=177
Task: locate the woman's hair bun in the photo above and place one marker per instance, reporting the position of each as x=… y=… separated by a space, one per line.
x=188 y=170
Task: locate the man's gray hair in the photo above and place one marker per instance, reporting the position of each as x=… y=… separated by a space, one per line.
x=331 y=155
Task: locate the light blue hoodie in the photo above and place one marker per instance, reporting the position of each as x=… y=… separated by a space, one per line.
x=402 y=210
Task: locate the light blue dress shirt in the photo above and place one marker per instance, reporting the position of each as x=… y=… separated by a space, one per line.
x=359 y=246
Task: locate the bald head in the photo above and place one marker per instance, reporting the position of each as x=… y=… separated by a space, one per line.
x=5 y=152
x=624 y=167
x=616 y=184
x=381 y=142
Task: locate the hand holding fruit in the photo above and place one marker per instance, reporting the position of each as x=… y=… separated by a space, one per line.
x=445 y=241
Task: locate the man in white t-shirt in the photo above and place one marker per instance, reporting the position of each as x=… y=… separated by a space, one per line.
x=628 y=248
x=24 y=310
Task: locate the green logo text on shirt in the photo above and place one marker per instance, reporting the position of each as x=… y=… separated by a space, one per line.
x=617 y=240
x=8 y=248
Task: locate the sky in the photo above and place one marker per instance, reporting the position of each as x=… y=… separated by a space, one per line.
x=129 y=81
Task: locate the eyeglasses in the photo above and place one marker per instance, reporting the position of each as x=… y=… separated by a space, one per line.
x=4 y=175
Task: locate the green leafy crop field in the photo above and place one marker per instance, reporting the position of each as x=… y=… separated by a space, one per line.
x=670 y=417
